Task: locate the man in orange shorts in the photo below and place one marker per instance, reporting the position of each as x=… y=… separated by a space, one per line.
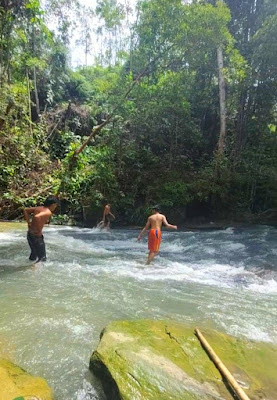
x=155 y=222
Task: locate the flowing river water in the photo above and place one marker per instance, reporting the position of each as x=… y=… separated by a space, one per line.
x=52 y=315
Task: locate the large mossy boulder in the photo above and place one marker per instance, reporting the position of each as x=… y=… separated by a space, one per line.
x=17 y=384
x=157 y=360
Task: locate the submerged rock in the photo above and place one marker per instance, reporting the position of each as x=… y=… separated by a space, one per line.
x=156 y=360
x=17 y=384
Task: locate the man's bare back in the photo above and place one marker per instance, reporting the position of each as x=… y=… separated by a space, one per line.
x=154 y=223
x=107 y=209
x=40 y=216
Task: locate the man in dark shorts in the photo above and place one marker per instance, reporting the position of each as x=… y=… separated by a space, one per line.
x=41 y=216
x=155 y=222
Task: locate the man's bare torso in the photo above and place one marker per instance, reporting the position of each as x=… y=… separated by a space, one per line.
x=107 y=210
x=156 y=221
x=38 y=221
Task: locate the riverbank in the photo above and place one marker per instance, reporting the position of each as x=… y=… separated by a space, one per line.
x=6 y=226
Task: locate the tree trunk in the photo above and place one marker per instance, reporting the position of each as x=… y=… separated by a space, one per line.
x=222 y=102
x=240 y=124
x=36 y=92
x=120 y=155
x=29 y=101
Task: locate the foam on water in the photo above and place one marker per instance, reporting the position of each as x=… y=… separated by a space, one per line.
x=268 y=287
x=9 y=237
x=94 y=244
x=228 y=231
x=206 y=274
x=87 y=392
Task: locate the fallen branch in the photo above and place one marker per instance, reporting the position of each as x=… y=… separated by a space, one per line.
x=38 y=193
x=221 y=367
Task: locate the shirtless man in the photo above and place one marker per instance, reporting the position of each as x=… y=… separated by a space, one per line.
x=155 y=222
x=107 y=216
x=41 y=216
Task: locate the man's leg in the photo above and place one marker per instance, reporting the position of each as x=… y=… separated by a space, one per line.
x=33 y=255
x=40 y=247
x=151 y=255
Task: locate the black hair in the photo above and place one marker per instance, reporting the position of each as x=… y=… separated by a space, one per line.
x=49 y=201
x=156 y=208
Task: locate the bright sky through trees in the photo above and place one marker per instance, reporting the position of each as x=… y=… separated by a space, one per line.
x=93 y=23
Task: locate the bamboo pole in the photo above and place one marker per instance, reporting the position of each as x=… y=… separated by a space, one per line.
x=221 y=367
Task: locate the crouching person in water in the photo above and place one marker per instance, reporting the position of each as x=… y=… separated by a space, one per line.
x=41 y=216
x=155 y=222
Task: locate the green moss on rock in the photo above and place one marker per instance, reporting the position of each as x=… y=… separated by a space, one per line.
x=17 y=384
x=148 y=360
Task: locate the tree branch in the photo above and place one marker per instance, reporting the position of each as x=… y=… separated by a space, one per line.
x=98 y=128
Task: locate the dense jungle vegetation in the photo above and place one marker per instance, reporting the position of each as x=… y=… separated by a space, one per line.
x=196 y=133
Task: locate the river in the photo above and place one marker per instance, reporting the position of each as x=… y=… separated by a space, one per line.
x=52 y=315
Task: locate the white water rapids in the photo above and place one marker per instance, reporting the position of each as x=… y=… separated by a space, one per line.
x=51 y=316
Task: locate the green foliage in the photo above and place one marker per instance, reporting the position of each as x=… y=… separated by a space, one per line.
x=90 y=179
x=160 y=146
x=111 y=12
x=61 y=219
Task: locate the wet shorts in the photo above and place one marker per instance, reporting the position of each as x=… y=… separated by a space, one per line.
x=37 y=246
x=154 y=240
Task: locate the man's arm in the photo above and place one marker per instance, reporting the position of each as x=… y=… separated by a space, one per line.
x=44 y=213
x=27 y=212
x=112 y=215
x=147 y=226
x=167 y=224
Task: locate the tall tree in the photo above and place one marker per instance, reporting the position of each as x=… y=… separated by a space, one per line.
x=222 y=100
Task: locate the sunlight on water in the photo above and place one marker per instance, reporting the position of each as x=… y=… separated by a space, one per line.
x=51 y=316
